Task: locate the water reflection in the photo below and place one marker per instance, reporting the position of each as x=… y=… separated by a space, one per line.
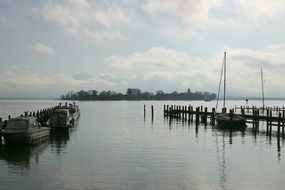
x=259 y=135
x=22 y=156
x=222 y=160
x=58 y=142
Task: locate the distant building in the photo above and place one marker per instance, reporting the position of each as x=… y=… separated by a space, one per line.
x=133 y=92
x=188 y=91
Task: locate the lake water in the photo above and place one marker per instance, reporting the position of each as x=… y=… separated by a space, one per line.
x=113 y=147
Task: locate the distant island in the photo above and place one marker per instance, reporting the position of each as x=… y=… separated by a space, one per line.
x=137 y=94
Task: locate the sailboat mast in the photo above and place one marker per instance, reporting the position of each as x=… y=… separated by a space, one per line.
x=262 y=88
x=224 y=103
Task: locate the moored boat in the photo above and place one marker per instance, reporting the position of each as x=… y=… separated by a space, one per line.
x=228 y=121
x=23 y=131
x=63 y=118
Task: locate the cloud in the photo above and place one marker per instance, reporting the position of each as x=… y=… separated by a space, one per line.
x=175 y=69
x=3 y=20
x=209 y=15
x=244 y=69
x=9 y=73
x=82 y=76
x=154 y=58
x=42 y=48
x=189 y=11
x=86 y=19
x=160 y=65
x=8 y=23
x=108 y=79
x=61 y=80
x=261 y=11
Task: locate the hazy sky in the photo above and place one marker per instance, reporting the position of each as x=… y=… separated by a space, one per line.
x=49 y=47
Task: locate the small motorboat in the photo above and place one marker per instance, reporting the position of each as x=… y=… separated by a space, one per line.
x=23 y=131
x=64 y=118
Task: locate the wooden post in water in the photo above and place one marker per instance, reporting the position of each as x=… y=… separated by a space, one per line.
x=144 y=111
x=213 y=116
x=253 y=120
x=257 y=120
x=189 y=108
x=167 y=107
x=170 y=113
x=270 y=122
x=205 y=115
x=278 y=127
x=283 y=116
x=152 y=112
x=197 y=114
x=191 y=114
x=267 y=122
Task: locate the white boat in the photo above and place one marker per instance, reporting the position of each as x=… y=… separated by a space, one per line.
x=228 y=121
x=24 y=130
x=64 y=117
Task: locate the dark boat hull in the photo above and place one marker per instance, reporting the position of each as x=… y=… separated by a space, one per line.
x=60 y=129
x=25 y=138
x=230 y=122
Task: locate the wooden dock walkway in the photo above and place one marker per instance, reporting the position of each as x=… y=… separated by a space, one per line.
x=272 y=116
x=42 y=115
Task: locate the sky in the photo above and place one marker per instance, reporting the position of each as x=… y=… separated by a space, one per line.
x=50 y=47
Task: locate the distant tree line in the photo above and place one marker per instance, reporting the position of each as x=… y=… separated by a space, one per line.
x=136 y=94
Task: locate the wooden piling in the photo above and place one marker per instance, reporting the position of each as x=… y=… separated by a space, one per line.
x=278 y=127
x=270 y=122
x=188 y=112
x=205 y=115
x=152 y=112
x=167 y=108
x=283 y=116
x=197 y=114
x=213 y=116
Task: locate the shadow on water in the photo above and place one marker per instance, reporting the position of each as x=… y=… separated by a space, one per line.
x=58 y=142
x=22 y=156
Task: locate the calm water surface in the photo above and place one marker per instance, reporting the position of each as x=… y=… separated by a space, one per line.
x=115 y=148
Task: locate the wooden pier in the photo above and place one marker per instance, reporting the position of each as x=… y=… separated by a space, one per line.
x=274 y=117
x=42 y=115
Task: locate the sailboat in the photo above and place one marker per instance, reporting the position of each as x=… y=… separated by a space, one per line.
x=262 y=88
x=228 y=121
